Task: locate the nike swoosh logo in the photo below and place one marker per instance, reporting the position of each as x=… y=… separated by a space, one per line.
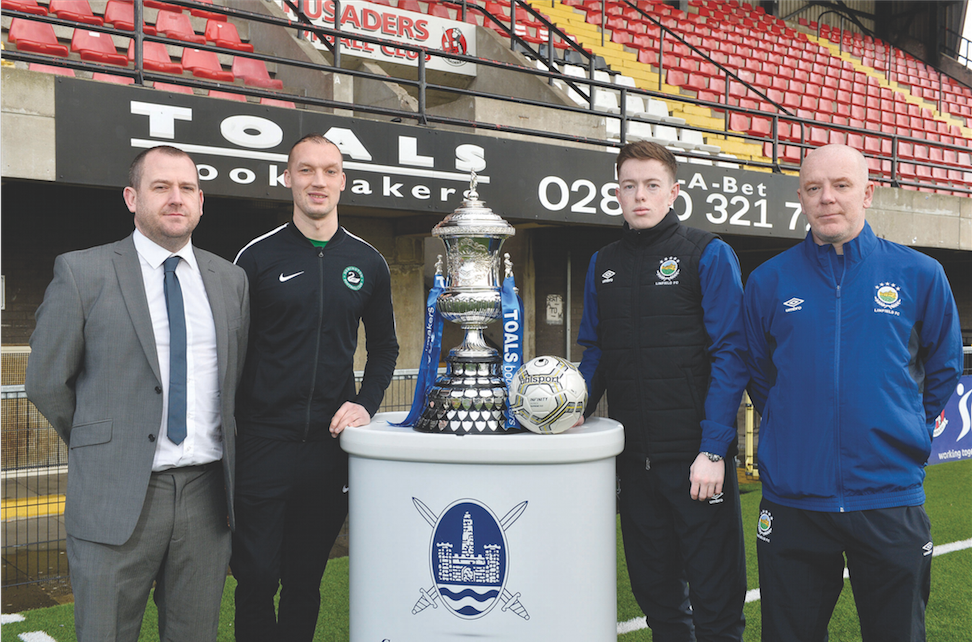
x=284 y=279
x=344 y=490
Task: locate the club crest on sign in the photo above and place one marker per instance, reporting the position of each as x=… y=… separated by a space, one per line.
x=468 y=560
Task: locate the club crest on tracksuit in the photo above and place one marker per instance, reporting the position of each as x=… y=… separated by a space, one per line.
x=468 y=560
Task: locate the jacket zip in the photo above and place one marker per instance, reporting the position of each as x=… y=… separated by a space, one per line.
x=317 y=341
x=840 y=474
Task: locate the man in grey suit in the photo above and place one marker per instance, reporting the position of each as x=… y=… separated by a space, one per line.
x=135 y=361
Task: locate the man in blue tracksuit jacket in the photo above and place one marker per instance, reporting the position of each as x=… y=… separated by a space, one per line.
x=855 y=347
x=663 y=333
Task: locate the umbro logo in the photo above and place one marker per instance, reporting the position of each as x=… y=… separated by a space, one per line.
x=284 y=279
x=608 y=277
x=717 y=499
x=794 y=304
x=928 y=548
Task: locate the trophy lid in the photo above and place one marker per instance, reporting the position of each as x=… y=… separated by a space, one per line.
x=473 y=218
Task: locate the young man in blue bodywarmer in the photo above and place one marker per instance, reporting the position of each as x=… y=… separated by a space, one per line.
x=663 y=333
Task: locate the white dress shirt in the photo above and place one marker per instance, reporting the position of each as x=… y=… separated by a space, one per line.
x=204 y=442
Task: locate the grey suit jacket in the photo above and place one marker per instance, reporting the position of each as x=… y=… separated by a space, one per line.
x=93 y=373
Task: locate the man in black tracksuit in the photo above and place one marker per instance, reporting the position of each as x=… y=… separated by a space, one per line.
x=663 y=333
x=311 y=283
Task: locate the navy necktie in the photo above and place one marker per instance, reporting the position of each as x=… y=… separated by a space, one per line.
x=177 y=352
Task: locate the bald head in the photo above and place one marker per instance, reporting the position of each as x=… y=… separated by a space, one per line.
x=829 y=154
x=834 y=192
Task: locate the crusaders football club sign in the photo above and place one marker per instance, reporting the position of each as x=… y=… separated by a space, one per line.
x=389 y=23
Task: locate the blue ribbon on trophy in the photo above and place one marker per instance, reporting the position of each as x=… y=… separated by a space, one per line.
x=512 y=333
x=429 y=366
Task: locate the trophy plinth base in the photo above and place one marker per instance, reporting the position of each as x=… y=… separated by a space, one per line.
x=470 y=398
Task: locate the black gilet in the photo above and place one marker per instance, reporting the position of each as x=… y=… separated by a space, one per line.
x=654 y=361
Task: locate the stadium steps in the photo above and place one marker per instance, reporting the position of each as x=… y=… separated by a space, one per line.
x=625 y=61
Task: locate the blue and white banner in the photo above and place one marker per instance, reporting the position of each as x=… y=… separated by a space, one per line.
x=512 y=339
x=432 y=346
x=952 y=440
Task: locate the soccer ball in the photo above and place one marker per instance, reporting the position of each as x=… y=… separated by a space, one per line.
x=548 y=395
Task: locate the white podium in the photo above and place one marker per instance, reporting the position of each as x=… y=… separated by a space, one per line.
x=496 y=537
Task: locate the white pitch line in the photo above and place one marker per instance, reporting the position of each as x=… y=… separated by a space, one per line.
x=36 y=636
x=10 y=618
x=638 y=623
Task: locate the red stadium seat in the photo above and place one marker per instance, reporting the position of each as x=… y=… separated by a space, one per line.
x=97 y=47
x=205 y=64
x=413 y=5
x=254 y=73
x=177 y=26
x=121 y=15
x=224 y=34
x=277 y=103
x=439 y=11
x=77 y=10
x=177 y=89
x=51 y=69
x=118 y=80
x=155 y=57
x=27 y=6
x=35 y=36
x=227 y=95
x=210 y=15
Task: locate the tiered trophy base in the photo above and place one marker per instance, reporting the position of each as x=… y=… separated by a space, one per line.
x=470 y=398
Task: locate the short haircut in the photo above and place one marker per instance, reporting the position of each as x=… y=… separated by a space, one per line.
x=313 y=137
x=135 y=169
x=646 y=150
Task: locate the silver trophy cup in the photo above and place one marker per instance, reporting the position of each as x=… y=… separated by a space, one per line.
x=471 y=396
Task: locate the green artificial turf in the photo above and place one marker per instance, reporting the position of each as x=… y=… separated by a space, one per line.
x=949 y=505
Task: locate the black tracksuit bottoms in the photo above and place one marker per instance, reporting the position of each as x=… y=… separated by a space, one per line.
x=686 y=558
x=291 y=501
x=801 y=563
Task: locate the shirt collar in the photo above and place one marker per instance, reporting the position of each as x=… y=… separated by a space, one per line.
x=155 y=255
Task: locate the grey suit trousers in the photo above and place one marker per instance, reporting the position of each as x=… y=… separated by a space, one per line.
x=181 y=542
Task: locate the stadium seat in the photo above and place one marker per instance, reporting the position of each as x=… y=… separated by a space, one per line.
x=51 y=69
x=224 y=34
x=210 y=15
x=413 y=5
x=178 y=89
x=273 y=102
x=118 y=80
x=177 y=26
x=121 y=15
x=27 y=6
x=254 y=73
x=440 y=11
x=37 y=37
x=606 y=100
x=227 y=95
x=205 y=64
x=97 y=47
x=76 y=10
x=155 y=57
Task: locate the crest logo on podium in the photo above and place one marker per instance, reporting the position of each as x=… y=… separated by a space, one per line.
x=468 y=560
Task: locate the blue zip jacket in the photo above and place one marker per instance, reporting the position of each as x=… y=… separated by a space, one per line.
x=851 y=360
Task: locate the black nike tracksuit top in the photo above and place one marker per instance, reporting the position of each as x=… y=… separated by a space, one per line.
x=305 y=306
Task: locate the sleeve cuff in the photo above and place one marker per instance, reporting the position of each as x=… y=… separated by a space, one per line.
x=716 y=437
